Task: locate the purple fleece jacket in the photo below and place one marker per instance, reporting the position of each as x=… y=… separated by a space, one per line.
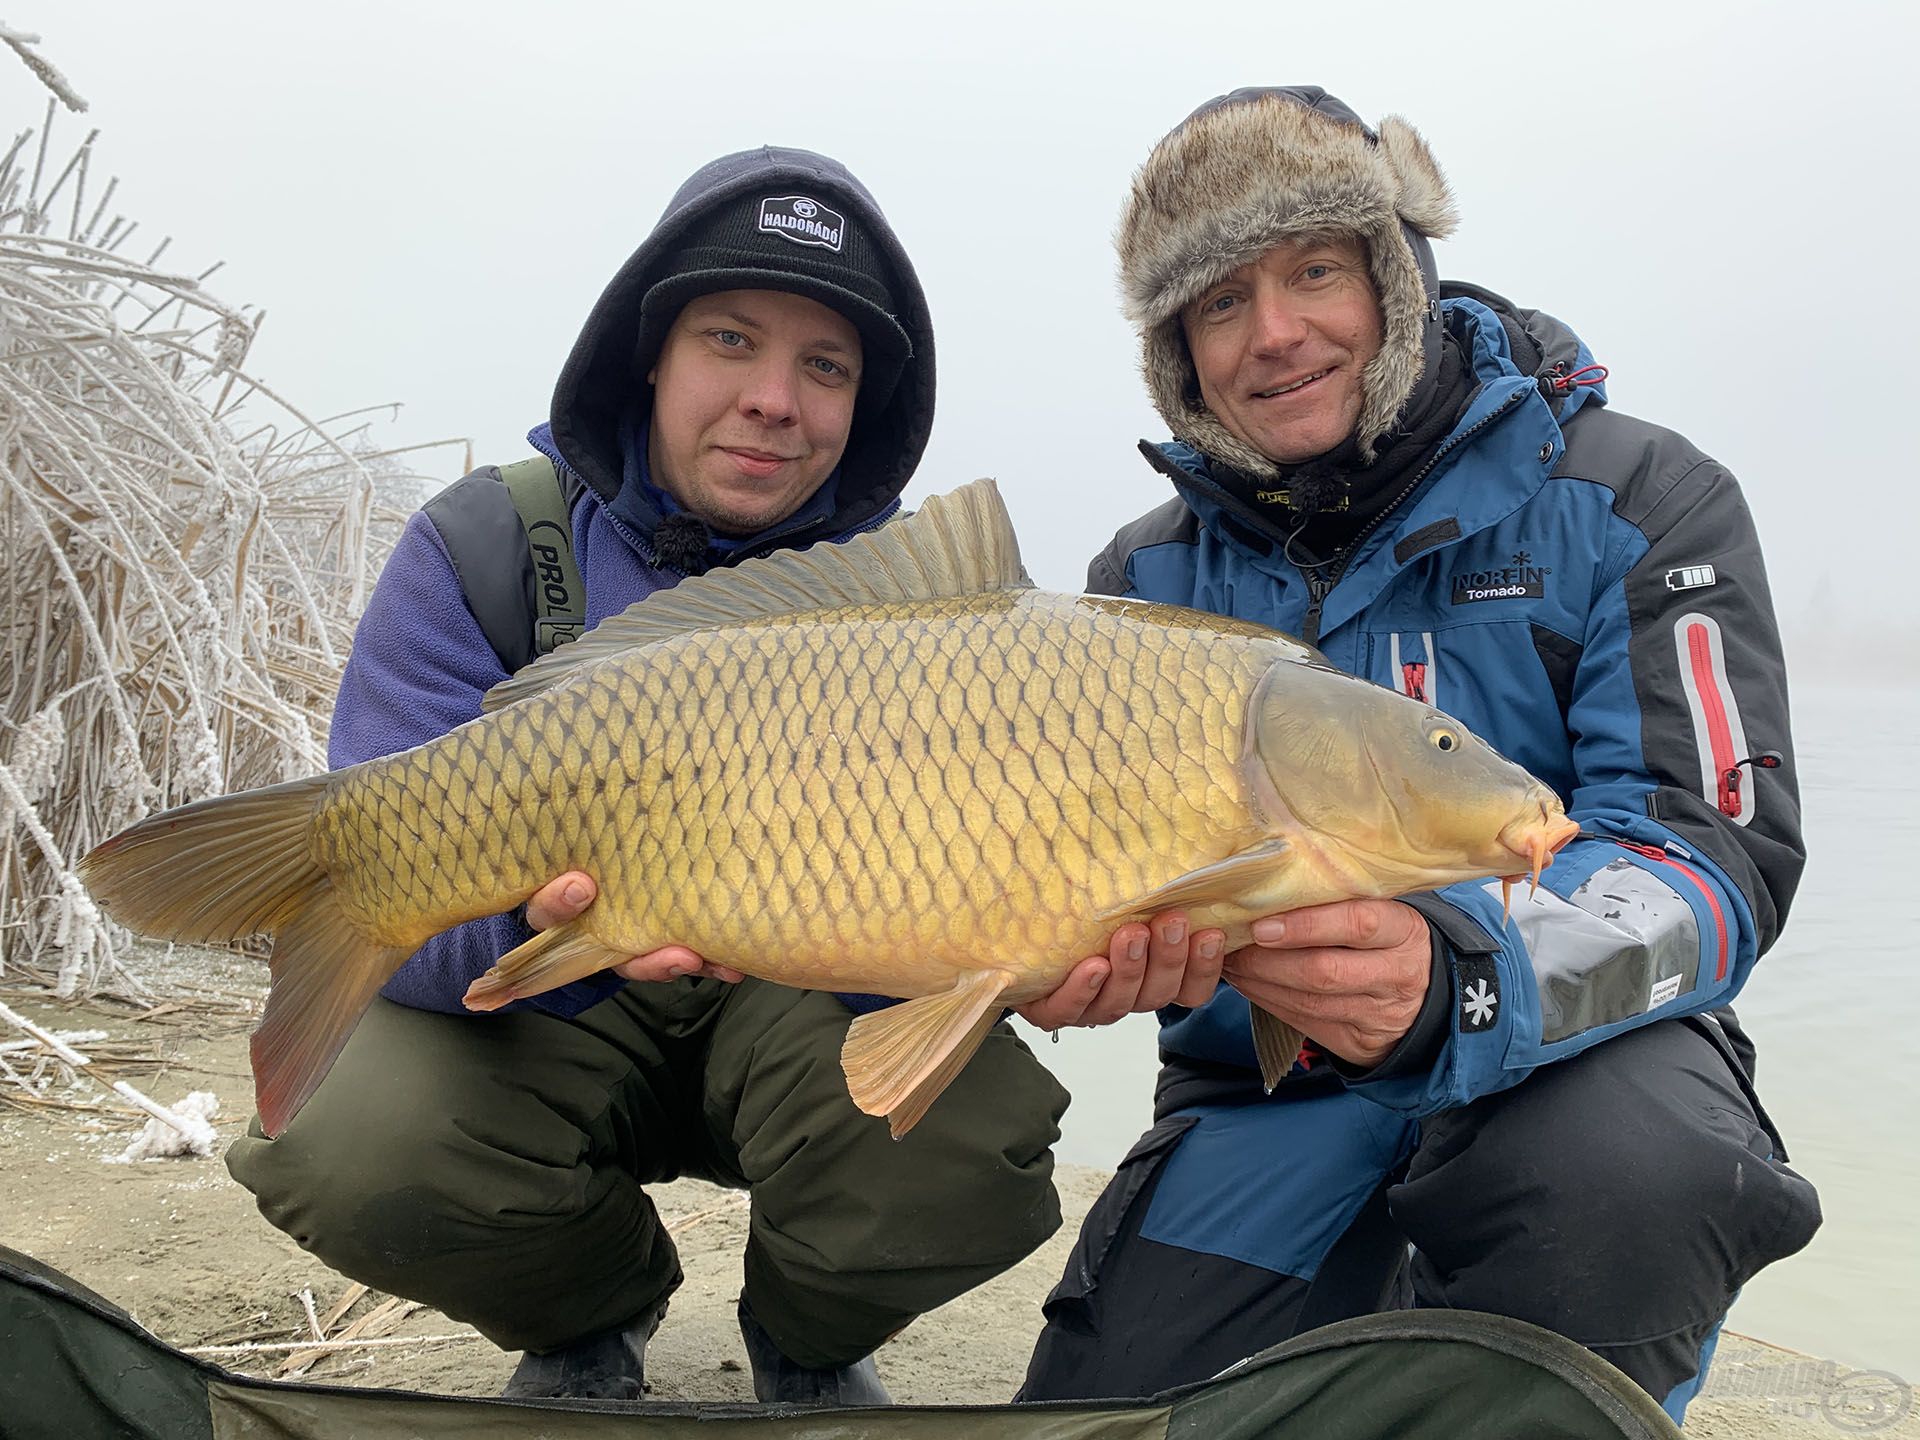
x=419 y=666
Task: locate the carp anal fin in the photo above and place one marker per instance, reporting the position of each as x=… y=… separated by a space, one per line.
x=960 y=543
x=1275 y=1043
x=325 y=975
x=898 y=1060
x=1224 y=880
x=549 y=960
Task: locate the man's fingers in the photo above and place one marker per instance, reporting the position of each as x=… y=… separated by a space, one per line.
x=1356 y=924
x=1202 y=975
x=1069 y=1001
x=670 y=962
x=1127 y=955
x=1169 y=950
x=561 y=899
x=1369 y=976
x=1323 y=971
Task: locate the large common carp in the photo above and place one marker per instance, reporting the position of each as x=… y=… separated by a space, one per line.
x=889 y=765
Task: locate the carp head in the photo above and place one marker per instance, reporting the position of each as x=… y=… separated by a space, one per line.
x=1391 y=794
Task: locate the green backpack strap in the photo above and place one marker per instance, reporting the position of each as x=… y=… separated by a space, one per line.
x=559 y=595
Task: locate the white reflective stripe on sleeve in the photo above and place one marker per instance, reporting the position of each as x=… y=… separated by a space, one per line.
x=1719 y=737
x=1433 y=671
x=1624 y=943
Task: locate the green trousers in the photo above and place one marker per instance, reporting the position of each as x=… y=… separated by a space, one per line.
x=493 y=1166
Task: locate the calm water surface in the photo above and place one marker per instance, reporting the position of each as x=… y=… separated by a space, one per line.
x=1834 y=1009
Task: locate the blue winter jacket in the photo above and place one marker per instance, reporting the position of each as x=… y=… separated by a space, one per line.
x=421 y=661
x=1584 y=591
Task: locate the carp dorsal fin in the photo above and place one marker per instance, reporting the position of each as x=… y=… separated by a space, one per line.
x=960 y=543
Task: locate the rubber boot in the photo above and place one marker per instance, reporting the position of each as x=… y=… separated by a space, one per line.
x=779 y=1381
x=607 y=1366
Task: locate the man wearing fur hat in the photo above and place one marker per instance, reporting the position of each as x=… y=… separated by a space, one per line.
x=1550 y=1115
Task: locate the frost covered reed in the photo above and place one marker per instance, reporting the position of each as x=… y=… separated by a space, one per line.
x=185 y=554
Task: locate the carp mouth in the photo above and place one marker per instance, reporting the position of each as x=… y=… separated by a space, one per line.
x=1534 y=839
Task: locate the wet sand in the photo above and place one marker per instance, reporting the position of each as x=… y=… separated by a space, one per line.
x=180 y=1246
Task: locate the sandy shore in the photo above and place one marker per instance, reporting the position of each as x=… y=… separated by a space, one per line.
x=180 y=1246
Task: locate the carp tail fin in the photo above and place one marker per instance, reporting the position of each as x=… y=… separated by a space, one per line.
x=216 y=870
x=898 y=1060
x=220 y=870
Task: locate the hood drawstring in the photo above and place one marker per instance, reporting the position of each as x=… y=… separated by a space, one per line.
x=1558 y=381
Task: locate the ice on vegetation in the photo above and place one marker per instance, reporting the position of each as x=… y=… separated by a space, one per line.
x=159 y=1140
x=187 y=553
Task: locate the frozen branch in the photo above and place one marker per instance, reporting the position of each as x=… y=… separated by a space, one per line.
x=18 y=41
x=187 y=553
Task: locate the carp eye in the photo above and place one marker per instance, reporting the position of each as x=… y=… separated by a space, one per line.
x=1445 y=740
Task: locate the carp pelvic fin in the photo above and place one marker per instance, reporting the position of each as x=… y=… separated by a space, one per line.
x=1276 y=1043
x=549 y=960
x=960 y=543
x=1227 y=879
x=898 y=1060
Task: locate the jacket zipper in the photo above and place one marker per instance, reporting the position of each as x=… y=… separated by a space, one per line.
x=1713 y=902
x=1719 y=732
x=1318 y=589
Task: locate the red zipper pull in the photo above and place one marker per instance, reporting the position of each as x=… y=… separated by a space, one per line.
x=1730 y=778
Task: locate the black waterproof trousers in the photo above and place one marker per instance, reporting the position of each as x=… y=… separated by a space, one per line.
x=495 y=1166
x=1620 y=1198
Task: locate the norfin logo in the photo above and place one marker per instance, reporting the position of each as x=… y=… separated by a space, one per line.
x=803 y=220
x=1521 y=579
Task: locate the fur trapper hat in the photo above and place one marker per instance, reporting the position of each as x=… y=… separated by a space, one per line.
x=1244 y=173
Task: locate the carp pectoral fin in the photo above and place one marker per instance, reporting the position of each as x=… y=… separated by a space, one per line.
x=898 y=1060
x=1226 y=879
x=1276 y=1043
x=324 y=977
x=549 y=960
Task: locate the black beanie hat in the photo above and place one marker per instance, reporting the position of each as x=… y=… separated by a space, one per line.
x=796 y=242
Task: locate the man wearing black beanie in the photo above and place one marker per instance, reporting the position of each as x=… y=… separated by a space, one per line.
x=758 y=375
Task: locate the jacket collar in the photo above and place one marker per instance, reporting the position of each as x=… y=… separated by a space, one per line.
x=1493 y=461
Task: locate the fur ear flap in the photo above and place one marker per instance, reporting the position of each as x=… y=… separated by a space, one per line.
x=1425 y=202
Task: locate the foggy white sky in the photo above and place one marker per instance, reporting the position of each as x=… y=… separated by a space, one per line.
x=427 y=199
